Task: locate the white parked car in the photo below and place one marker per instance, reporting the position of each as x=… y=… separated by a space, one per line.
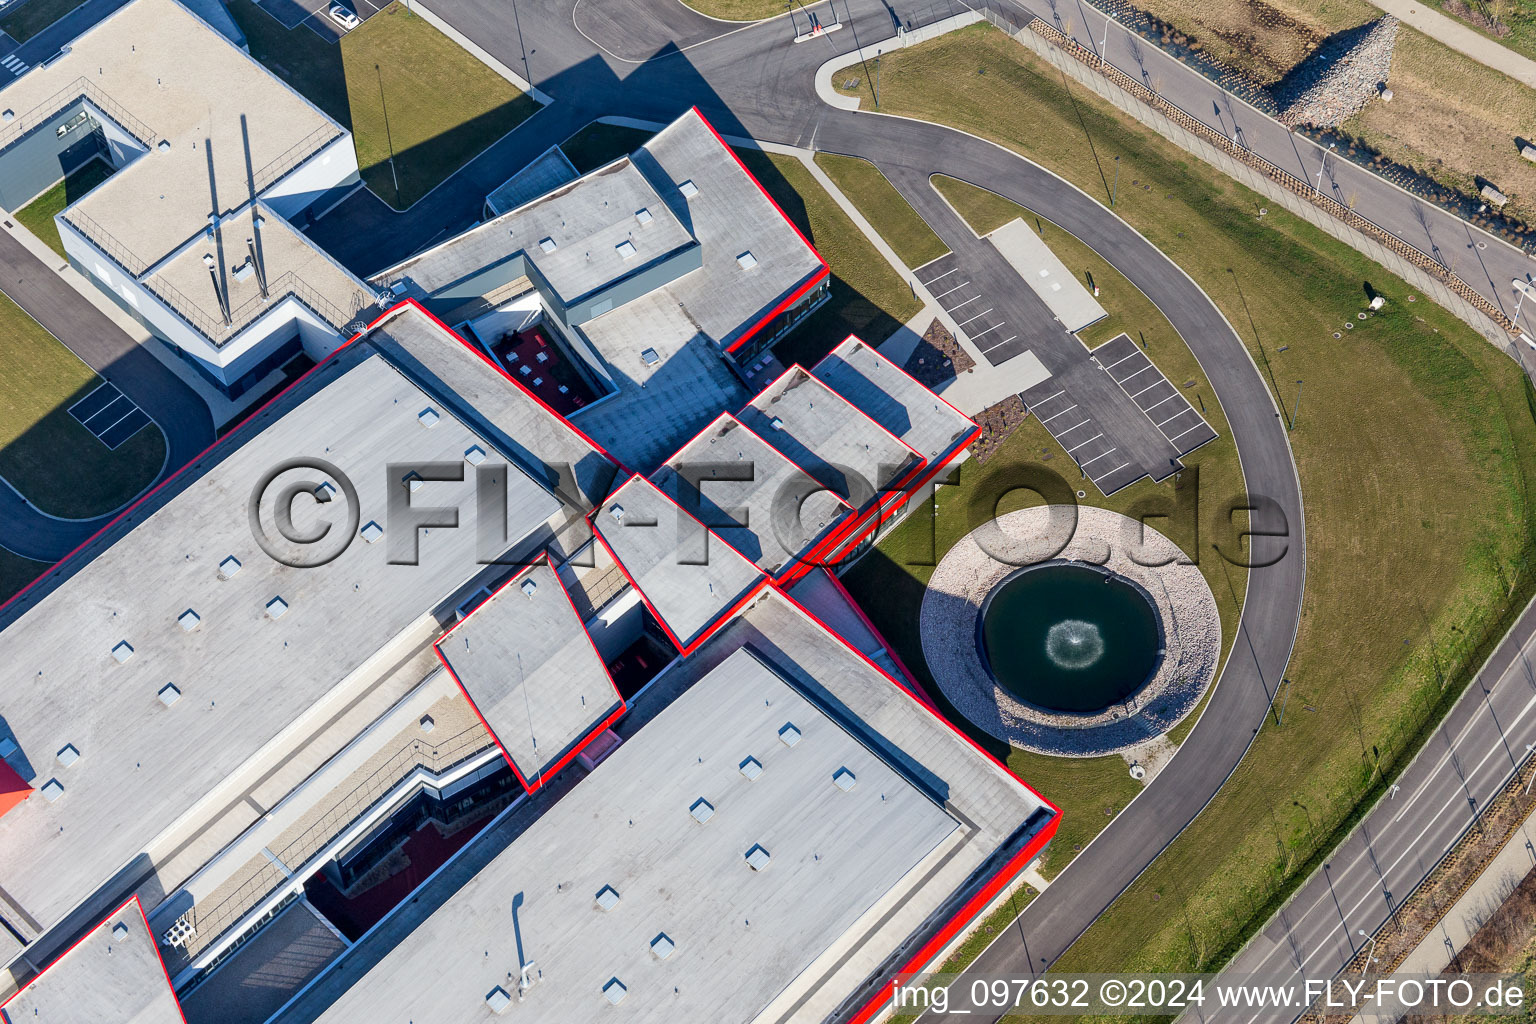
x=343 y=17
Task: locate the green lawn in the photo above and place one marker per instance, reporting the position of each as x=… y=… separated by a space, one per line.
x=598 y=144
x=443 y=105
x=44 y=452
x=884 y=208
x=868 y=297
x=37 y=216
x=1408 y=581
x=27 y=19
x=741 y=10
x=1517 y=17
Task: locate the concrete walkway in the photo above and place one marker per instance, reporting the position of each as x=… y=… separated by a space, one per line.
x=1463 y=38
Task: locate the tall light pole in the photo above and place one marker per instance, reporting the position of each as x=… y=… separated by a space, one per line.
x=1296 y=410
x=1370 y=953
x=389 y=138
x=1324 y=163
x=877 y=79
x=1523 y=287
x=1116 y=192
x=1104 y=43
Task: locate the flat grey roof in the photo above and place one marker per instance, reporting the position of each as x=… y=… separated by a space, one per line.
x=543 y=445
x=829 y=437
x=1063 y=294
x=754 y=499
x=527 y=664
x=687 y=576
x=659 y=404
x=887 y=395
x=739 y=937
x=548 y=171
x=729 y=215
x=242 y=675
x=104 y=978
x=163 y=72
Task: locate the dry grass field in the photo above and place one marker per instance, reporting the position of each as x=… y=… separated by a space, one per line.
x=1451 y=118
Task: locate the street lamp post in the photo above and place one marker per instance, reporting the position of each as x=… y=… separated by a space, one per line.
x=877 y=79
x=1296 y=409
x=1371 y=952
x=389 y=138
x=1524 y=290
x=1324 y=163
x=1104 y=44
x=1114 y=194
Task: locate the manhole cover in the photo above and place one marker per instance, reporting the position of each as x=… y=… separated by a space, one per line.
x=1082 y=494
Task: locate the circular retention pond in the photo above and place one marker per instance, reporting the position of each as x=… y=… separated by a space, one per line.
x=1069 y=638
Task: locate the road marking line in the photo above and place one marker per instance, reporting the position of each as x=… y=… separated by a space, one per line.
x=989 y=329
x=1128 y=376
x=1096 y=458
x=946 y=273
x=1092 y=439
x=1122 y=359
x=1073 y=427
x=978 y=316
x=956 y=288
x=1175 y=416
x=1149 y=387
x=1062 y=413
x=1111 y=473
x=1056 y=395
x=1181 y=433
x=962 y=302
x=1154 y=405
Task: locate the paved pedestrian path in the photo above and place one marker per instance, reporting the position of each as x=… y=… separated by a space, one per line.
x=1463 y=38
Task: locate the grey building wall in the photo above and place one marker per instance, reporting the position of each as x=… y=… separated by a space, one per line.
x=42 y=157
x=633 y=287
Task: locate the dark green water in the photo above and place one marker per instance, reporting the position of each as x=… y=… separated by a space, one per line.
x=1068 y=638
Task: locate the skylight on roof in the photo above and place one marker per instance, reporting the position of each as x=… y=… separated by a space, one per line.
x=498 y=1000
x=662 y=946
x=625 y=249
x=189 y=620
x=169 y=694
x=751 y=767
x=615 y=991
x=371 y=532
x=277 y=607
x=617 y=511
x=547 y=244
x=702 y=810
x=747 y=260
x=122 y=652
x=607 y=897
x=474 y=455
x=844 y=779
x=758 y=858
x=529 y=587
x=688 y=189
x=119 y=932
x=650 y=357
x=69 y=755
x=643 y=215
x=789 y=734
x=428 y=417
x=52 y=790
x=229 y=567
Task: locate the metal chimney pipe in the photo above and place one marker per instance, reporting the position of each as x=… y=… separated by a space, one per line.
x=261 y=271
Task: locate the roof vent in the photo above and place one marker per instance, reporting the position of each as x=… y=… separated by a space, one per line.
x=498 y=1000
x=547 y=244
x=757 y=857
x=52 y=790
x=688 y=189
x=607 y=897
x=615 y=991
x=7 y=115
x=625 y=249
x=277 y=608
x=69 y=755
x=474 y=455
x=120 y=931
x=776 y=423
x=662 y=946
x=427 y=723
x=643 y=215
x=229 y=567
x=412 y=481
x=7 y=747
x=747 y=260
x=751 y=767
x=244 y=270
x=428 y=417
x=650 y=357
x=164 y=145
x=189 y=620
x=617 y=511
x=789 y=734
x=371 y=532
x=122 y=652
x=702 y=810
x=170 y=693
x=844 y=779
x=528 y=587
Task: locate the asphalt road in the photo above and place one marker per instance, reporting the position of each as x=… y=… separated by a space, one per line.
x=178 y=410
x=755 y=82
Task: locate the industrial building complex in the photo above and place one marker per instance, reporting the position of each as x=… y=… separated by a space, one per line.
x=497 y=665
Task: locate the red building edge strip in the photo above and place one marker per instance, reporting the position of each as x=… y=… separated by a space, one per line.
x=582 y=742
x=134 y=900
x=250 y=417
x=968 y=911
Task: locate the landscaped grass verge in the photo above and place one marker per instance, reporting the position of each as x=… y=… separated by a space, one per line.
x=37 y=216
x=27 y=19
x=16 y=572
x=404 y=89
x=740 y=10
x=1415 y=444
x=891 y=215
x=868 y=297
x=44 y=452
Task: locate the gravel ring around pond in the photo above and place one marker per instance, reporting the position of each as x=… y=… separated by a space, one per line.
x=1186 y=612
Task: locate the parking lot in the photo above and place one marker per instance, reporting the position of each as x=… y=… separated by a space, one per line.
x=109 y=415
x=312 y=14
x=1154 y=394
x=978 y=318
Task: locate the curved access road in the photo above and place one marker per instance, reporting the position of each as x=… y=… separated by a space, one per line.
x=181 y=415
